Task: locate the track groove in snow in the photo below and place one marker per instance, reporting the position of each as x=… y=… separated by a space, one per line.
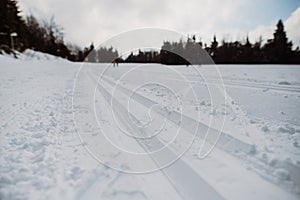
x=225 y=142
x=199 y=188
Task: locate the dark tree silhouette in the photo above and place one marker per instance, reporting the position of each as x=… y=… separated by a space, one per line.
x=11 y=22
x=46 y=37
x=278 y=50
x=213 y=47
x=90 y=54
x=144 y=57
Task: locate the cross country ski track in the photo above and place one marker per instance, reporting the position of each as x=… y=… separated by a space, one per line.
x=226 y=144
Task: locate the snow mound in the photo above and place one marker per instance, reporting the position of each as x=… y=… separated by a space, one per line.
x=284 y=83
x=29 y=54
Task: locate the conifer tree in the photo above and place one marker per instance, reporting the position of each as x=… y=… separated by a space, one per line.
x=279 y=49
x=11 y=22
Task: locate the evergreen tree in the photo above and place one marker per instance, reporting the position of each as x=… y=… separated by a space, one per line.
x=278 y=50
x=11 y=22
x=213 y=47
x=91 y=54
x=245 y=53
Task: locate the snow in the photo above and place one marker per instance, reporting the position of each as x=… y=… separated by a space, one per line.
x=29 y=54
x=85 y=131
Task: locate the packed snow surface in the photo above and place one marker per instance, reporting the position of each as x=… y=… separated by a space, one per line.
x=147 y=131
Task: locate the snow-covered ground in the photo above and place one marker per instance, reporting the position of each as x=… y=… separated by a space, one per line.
x=94 y=131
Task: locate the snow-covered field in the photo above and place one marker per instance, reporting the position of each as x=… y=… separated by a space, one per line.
x=94 y=131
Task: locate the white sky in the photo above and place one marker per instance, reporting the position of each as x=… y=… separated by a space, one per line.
x=98 y=20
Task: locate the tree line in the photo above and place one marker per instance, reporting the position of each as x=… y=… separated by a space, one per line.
x=47 y=36
x=278 y=50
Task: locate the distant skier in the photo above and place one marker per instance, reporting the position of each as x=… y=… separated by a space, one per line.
x=115 y=63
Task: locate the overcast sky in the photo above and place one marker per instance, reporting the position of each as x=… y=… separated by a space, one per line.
x=85 y=21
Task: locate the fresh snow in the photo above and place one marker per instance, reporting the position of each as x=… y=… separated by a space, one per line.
x=58 y=120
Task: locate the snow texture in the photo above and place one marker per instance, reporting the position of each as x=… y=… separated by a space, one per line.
x=43 y=157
